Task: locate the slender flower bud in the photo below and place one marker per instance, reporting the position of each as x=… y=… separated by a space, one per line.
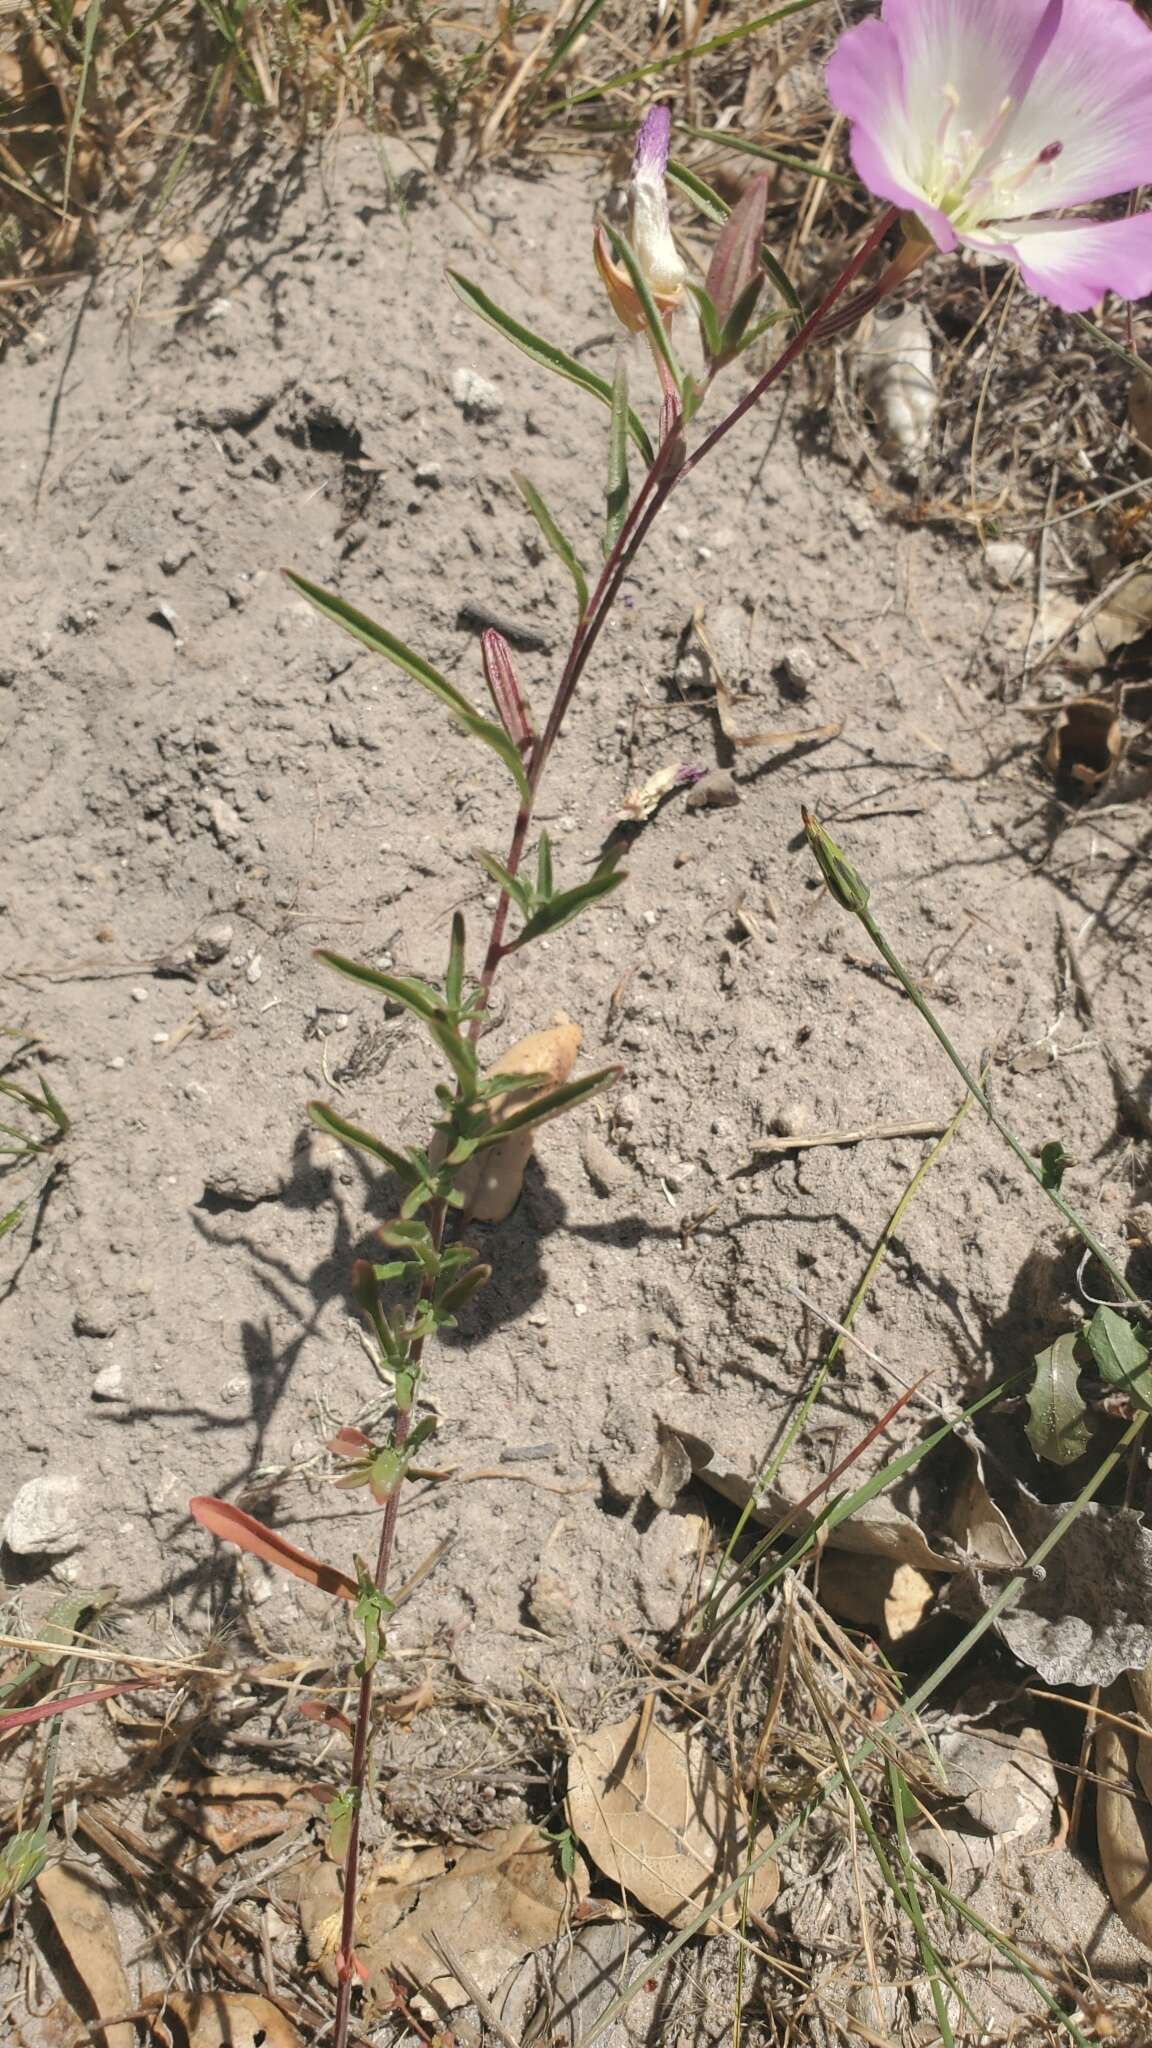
x=650 y=232
x=656 y=252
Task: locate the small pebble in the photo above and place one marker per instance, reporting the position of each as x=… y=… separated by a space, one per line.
x=715 y=791
x=796 y=671
x=47 y=1516
x=255 y=968
x=477 y=397
x=791 y=1120
x=139 y=995
x=159 y=1038
x=212 y=942
x=118 y=1063
x=108 y=1384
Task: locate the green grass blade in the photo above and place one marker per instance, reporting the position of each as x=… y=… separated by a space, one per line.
x=572 y=34
x=381 y=641
x=618 y=492
x=91 y=24
x=543 y=352
x=557 y=541
x=678 y=57
x=724 y=140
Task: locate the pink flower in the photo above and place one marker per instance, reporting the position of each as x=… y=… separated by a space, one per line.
x=988 y=118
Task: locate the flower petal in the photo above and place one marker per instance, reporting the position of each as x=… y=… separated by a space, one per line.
x=1074 y=262
x=1091 y=95
x=959 y=60
x=865 y=81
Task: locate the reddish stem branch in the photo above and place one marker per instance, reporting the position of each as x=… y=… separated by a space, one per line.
x=667 y=469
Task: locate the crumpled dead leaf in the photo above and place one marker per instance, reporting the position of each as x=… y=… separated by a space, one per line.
x=1085 y=635
x=877 y=1529
x=1088 y=1617
x=893 y=359
x=1123 y=1813
x=232 y=1813
x=83 y=1920
x=894 y=1597
x=984 y=1534
x=662 y=1820
x=491 y=1181
x=1084 y=744
x=495 y=1902
x=556 y=1999
x=220 y=2019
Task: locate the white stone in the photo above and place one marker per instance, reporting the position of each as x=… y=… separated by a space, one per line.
x=108 y=1384
x=476 y=395
x=46 y=1517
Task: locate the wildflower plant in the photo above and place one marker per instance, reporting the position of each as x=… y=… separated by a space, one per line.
x=955 y=107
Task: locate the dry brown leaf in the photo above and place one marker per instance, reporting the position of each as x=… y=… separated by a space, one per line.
x=1140 y=419
x=1084 y=744
x=1124 y=1818
x=496 y=1902
x=491 y=1181
x=82 y=1919
x=660 y=1819
x=895 y=1597
x=232 y=1813
x=980 y=1529
x=222 y=2019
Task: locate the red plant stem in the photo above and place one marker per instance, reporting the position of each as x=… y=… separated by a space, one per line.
x=664 y=473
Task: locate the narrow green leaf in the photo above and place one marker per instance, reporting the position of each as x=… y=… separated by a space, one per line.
x=624 y=253
x=414 y=995
x=1057 y=1430
x=1120 y=1354
x=549 y=917
x=618 y=492
x=736 y=325
x=457 y=1051
x=559 y=545
x=544 y=882
x=398 y=1232
x=381 y=641
x=715 y=208
x=553 y=1104
x=460 y=1291
x=736 y=257
x=709 y=324
x=326 y=1119
x=511 y=884
x=544 y=352
x=454 y=977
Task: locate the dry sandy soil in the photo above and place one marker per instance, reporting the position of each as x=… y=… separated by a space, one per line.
x=189 y=752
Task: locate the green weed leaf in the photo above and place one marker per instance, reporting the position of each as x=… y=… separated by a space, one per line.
x=327 y=1120
x=1120 y=1354
x=567 y=1096
x=543 y=352
x=381 y=641
x=560 y=909
x=1057 y=1430
x=618 y=491
x=559 y=545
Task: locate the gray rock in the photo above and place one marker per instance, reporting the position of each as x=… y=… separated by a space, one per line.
x=97 y=1317
x=46 y=1517
x=606 y=1170
x=715 y=791
x=108 y=1385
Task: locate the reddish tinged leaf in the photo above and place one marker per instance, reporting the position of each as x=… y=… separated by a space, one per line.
x=328 y=1716
x=736 y=258
x=21 y=1716
x=232 y=1525
x=504 y=687
x=349 y=1443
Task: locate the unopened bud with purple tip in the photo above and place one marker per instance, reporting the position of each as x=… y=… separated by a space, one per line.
x=650 y=231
